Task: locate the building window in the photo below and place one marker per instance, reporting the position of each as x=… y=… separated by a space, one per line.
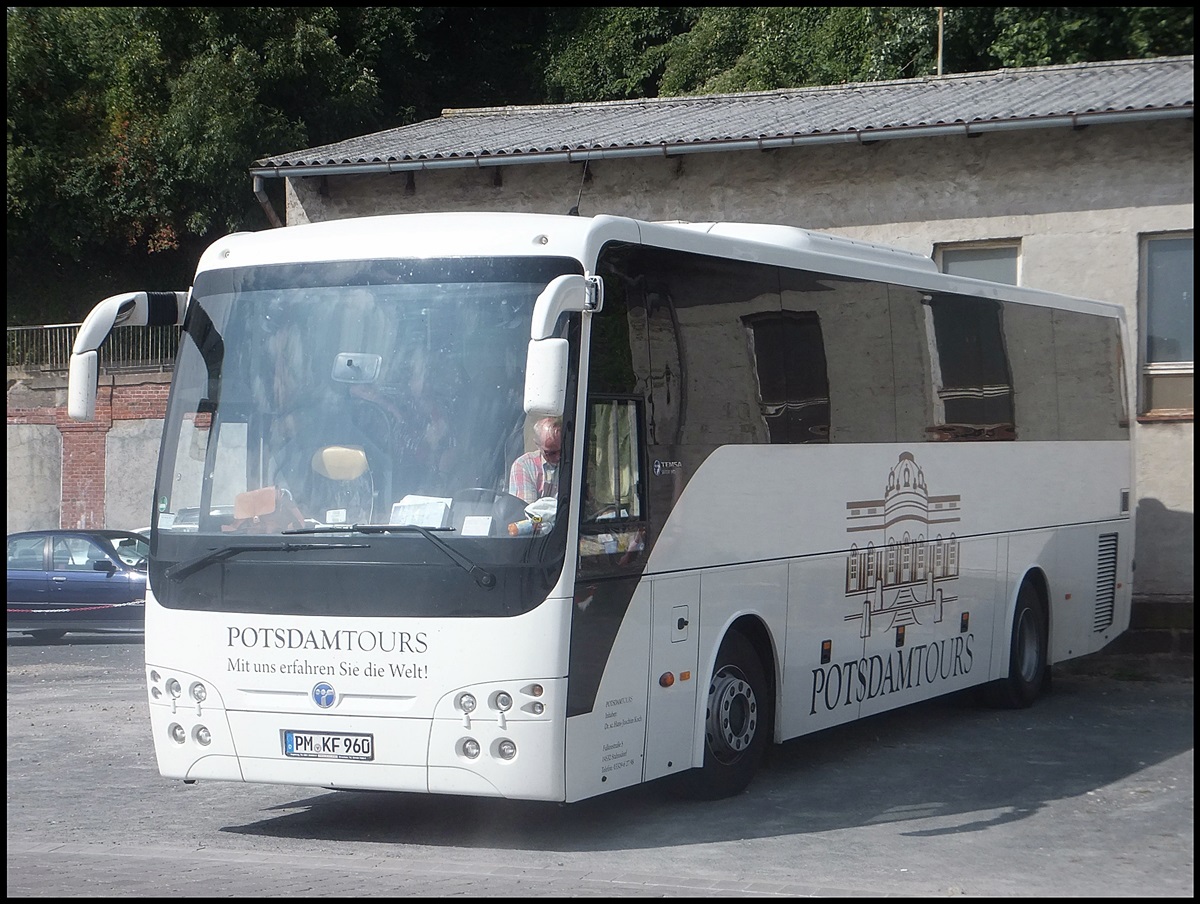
x=994 y=261
x=1166 y=323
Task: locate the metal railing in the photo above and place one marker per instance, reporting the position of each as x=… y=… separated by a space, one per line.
x=40 y=349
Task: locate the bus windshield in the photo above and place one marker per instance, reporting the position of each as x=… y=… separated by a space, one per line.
x=330 y=398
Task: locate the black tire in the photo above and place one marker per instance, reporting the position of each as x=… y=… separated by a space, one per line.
x=1028 y=664
x=737 y=723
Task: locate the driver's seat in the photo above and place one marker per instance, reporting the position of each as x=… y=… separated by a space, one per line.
x=353 y=486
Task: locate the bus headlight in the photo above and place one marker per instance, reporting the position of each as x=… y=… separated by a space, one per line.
x=466 y=702
x=506 y=749
x=470 y=748
x=174 y=688
x=178 y=735
x=199 y=692
x=503 y=701
x=202 y=735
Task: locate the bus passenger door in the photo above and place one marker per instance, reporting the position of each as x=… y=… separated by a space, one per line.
x=611 y=632
x=674 y=633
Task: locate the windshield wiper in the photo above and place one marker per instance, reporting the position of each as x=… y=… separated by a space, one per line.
x=181 y=570
x=483 y=577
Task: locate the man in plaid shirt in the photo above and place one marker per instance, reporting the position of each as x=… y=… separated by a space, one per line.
x=535 y=474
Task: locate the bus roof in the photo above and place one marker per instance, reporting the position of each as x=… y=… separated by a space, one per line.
x=501 y=234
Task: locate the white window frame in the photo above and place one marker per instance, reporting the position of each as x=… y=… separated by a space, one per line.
x=943 y=255
x=1151 y=372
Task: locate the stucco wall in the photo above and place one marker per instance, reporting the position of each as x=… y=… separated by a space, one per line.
x=129 y=491
x=1164 y=547
x=34 y=462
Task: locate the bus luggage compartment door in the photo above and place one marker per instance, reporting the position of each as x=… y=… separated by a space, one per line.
x=674 y=643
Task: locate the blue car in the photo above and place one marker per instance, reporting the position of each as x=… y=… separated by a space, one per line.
x=76 y=580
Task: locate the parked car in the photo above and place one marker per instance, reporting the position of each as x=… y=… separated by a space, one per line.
x=76 y=580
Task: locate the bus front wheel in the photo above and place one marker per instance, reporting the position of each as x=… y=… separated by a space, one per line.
x=737 y=723
x=1028 y=654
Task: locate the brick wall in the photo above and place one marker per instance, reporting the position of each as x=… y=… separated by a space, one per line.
x=84 y=444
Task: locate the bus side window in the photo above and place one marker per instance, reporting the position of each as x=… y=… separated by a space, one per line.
x=613 y=525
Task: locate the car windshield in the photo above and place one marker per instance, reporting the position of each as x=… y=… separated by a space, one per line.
x=132 y=550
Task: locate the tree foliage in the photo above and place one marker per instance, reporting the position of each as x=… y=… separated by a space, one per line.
x=608 y=53
x=131 y=129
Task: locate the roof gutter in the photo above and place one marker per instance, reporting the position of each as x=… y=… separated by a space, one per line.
x=856 y=136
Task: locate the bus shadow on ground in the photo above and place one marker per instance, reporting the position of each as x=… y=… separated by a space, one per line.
x=941 y=767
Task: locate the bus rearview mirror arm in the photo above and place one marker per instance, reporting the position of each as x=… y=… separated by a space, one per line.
x=128 y=309
x=547 y=357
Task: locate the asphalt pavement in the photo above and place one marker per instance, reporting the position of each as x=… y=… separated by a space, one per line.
x=1087 y=794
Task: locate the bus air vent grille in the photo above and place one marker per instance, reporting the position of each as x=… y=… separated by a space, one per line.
x=1106 y=582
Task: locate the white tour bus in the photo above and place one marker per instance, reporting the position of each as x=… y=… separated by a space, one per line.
x=802 y=480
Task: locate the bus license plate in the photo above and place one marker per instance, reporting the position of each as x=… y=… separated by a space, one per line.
x=328 y=745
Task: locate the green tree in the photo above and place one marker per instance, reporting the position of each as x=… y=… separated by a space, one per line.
x=131 y=130
x=613 y=52
x=609 y=53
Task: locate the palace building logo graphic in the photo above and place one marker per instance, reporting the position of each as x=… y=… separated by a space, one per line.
x=904 y=569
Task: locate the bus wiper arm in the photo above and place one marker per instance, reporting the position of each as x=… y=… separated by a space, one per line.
x=181 y=570
x=482 y=576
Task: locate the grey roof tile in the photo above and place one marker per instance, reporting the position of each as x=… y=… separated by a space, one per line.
x=1018 y=97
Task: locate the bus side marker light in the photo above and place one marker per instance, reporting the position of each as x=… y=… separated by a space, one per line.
x=826 y=651
x=666 y=679
x=685 y=676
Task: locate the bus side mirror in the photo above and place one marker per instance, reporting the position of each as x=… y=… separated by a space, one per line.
x=546 y=360
x=546 y=377
x=81 y=385
x=128 y=309
x=565 y=293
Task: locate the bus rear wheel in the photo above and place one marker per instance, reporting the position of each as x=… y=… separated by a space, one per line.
x=737 y=723
x=1028 y=658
